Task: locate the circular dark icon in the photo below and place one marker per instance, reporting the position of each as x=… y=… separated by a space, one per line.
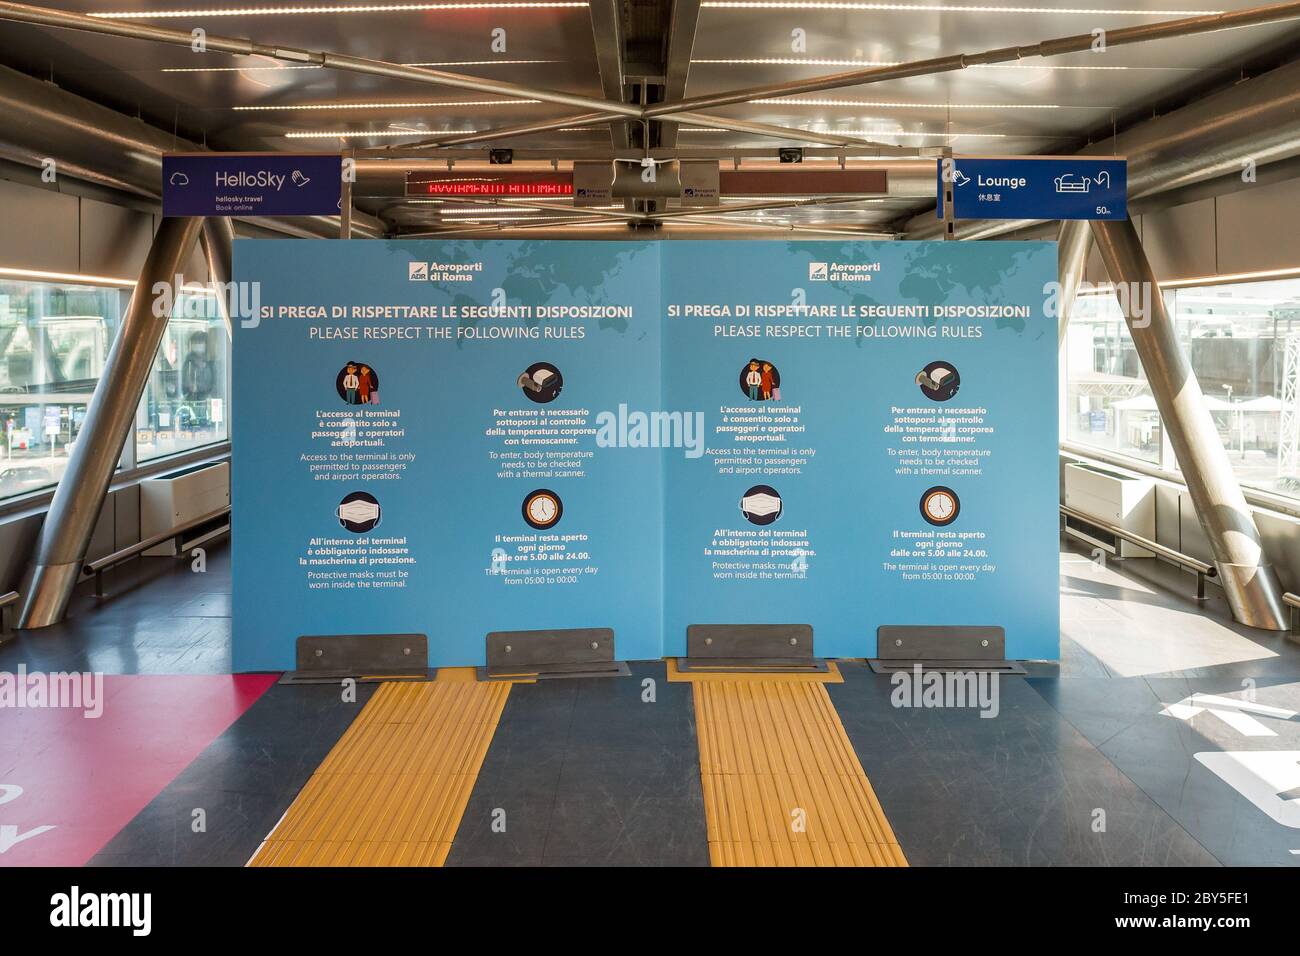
x=540 y=382
x=359 y=512
x=761 y=504
x=358 y=384
x=940 y=506
x=760 y=380
x=939 y=381
x=543 y=509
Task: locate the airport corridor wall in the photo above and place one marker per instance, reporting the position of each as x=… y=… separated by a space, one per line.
x=452 y=438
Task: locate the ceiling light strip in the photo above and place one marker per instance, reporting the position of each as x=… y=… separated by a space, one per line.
x=361 y=134
x=868 y=64
x=881 y=104
x=315 y=66
x=852 y=5
x=341 y=8
x=414 y=104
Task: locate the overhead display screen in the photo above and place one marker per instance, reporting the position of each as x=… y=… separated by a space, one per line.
x=520 y=183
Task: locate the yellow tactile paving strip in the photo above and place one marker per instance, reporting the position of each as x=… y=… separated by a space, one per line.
x=782 y=785
x=393 y=789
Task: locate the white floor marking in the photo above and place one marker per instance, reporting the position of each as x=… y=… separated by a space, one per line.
x=1235 y=713
x=1264 y=778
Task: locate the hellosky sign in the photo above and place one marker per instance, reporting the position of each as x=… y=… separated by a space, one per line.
x=252 y=184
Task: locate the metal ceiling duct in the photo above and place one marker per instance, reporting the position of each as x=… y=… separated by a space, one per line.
x=1257 y=119
x=94 y=143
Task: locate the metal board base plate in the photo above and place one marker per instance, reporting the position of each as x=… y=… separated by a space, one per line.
x=327 y=658
x=552 y=654
x=1010 y=668
x=334 y=677
x=750 y=649
x=557 y=671
x=940 y=642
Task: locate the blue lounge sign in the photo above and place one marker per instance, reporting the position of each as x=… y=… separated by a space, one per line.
x=252 y=184
x=1051 y=187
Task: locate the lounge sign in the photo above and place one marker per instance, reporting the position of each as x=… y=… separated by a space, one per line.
x=1034 y=187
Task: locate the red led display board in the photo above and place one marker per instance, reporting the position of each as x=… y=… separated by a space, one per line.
x=521 y=183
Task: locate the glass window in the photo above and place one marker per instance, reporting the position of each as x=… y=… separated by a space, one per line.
x=54 y=339
x=1243 y=345
x=185 y=401
x=1108 y=403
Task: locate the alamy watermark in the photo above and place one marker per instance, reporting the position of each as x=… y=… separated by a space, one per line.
x=629 y=428
x=931 y=688
x=63 y=690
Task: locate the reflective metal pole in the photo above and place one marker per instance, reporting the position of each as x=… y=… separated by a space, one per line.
x=1072 y=248
x=1249 y=581
x=80 y=494
x=218 y=239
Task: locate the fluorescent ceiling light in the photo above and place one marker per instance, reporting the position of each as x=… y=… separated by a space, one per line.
x=875 y=104
x=361 y=134
x=331 y=10
x=945 y=8
x=235 y=69
x=317 y=66
x=414 y=104
x=69 y=277
x=1106 y=288
x=867 y=64
x=491 y=220
x=903 y=132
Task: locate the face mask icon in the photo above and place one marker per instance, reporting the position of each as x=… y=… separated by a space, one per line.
x=359 y=514
x=761 y=505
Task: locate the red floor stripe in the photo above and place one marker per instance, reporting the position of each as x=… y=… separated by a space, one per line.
x=87 y=778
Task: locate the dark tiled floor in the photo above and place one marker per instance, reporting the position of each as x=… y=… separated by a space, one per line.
x=586 y=772
x=589 y=772
x=161 y=617
x=241 y=784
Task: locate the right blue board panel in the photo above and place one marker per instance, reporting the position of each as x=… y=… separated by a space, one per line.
x=881 y=439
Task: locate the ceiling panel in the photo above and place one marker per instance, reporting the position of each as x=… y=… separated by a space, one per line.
x=1032 y=106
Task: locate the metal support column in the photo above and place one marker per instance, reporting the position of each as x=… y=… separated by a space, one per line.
x=1248 y=579
x=218 y=239
x=1072 y=248
x=80 y=494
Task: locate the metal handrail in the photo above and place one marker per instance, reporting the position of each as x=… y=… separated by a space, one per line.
x=1201 y=568
x=100 y=565
x=1293 y=602
x=5 y=601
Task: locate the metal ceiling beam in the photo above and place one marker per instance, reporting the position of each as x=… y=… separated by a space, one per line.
x=239 y=46
x=608 y=110
x=681 y=44
x=705 y=211
x=784 y=228
x=1078 y=43
x=607 y=31
x=576 y=214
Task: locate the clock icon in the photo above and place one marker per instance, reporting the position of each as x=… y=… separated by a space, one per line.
x=940 y=506
x=543 y=509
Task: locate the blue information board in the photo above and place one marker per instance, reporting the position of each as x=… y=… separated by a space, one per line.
x=252 y=184
x=453 y=438
x=1024 y=187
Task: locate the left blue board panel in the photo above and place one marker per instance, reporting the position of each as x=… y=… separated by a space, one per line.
x=417 y=443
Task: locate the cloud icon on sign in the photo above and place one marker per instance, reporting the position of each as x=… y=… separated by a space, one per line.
x=179 y=179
